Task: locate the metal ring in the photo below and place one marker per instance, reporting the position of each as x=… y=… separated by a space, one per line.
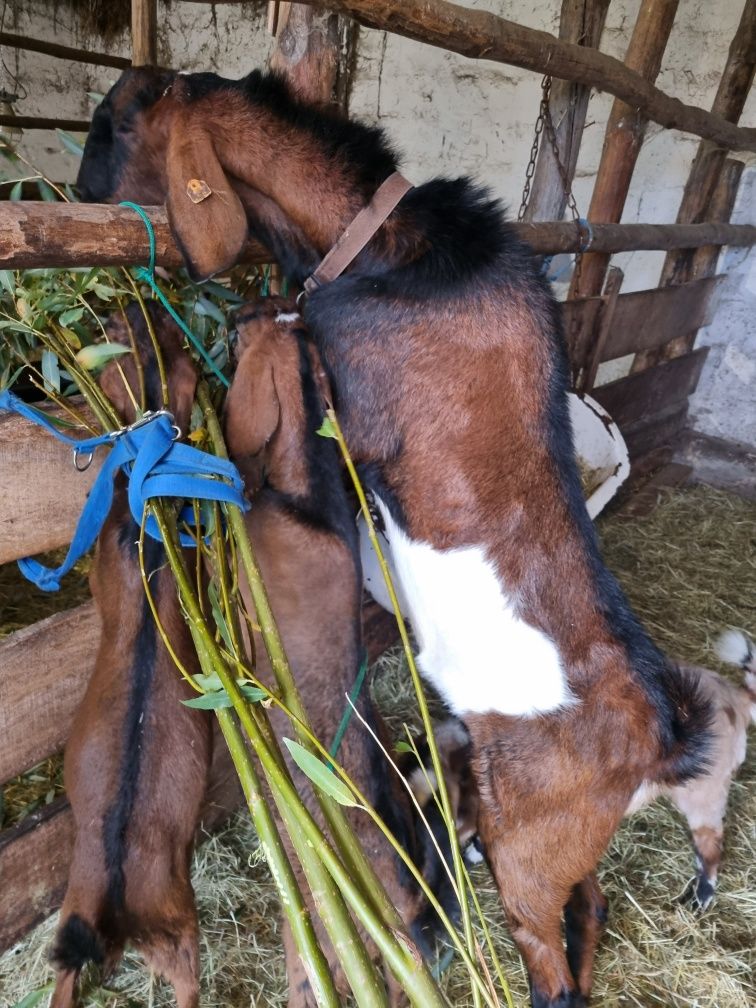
x=86 y=465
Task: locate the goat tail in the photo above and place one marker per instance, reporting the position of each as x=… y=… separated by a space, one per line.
x=737 y=648
x=689 y=737
x=77 y=944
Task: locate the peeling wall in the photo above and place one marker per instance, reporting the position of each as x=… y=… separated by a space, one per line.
x=450 y=115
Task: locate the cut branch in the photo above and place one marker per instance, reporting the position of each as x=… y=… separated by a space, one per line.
x=481 y=35
x=75 y=234
x=38 y=122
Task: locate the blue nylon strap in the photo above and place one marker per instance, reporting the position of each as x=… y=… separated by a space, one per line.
x=147 y=273
x=156 y=466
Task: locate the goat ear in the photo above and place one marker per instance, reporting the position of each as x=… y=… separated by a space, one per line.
x=252 y=416
x=205 y=214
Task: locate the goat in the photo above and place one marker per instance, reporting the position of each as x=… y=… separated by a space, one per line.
x=444 y=349
x=136 y=764
x=304 y=536
x=703 y=801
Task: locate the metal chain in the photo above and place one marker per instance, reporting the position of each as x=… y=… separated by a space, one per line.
x=544 y=124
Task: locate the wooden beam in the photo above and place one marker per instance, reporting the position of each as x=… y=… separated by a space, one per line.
x=144 y=32
x=639 y=397
x=74 y=234
x=41 y=493
x=308 y=52
x=82 y=234
x=481 y=35
x=581 y=22
x=41 y=123
x=610 y=298
x=27 y=44
x=37 y=709
x=625 y=131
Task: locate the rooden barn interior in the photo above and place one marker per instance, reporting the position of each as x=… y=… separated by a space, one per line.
x=167 y=215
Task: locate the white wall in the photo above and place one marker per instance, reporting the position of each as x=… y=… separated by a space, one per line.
x=450 y=115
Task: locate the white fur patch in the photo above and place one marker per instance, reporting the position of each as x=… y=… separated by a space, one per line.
x=283 y=318
x=474 y=647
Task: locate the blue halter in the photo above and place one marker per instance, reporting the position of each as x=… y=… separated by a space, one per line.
x=155 y=465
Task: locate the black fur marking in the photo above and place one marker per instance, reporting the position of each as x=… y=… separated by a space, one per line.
x=683 y=713
x=77 y=943
x=326 y=504
x=108 y=141
x=144 y=655
x=135 y=317
x=567 y=999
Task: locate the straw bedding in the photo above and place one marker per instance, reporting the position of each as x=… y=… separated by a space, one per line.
x=689 y=569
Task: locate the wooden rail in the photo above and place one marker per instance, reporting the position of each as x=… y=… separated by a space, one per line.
x=74 y=234
x=62 y=52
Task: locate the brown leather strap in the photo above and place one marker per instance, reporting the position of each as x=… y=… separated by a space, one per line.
x=356 y=236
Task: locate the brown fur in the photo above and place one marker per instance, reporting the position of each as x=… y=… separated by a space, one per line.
x=154 y=908
x=313 y=582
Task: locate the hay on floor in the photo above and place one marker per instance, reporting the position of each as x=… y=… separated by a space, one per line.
x=689 y=569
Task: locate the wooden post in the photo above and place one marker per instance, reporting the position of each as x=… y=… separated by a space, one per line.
x=711 y=188
x=581 y=22
x=624 y=136
x=144 y=32
x=309 y=52
x=611 y=294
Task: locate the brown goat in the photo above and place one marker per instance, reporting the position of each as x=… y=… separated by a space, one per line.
x=444 y=349
x=303 y=532
x=137 y=761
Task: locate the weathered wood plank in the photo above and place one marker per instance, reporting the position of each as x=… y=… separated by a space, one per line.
x=28 y=44
x=34 y=860
x=38 y=234
x=44 y=669
x=641 y=396
x=482 y=35
x=41 y=493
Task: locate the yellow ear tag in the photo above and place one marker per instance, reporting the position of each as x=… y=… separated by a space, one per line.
x=198 y=190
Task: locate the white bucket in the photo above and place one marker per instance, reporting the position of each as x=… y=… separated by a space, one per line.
x=604 y=467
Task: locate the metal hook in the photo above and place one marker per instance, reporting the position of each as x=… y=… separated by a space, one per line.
x=76 y=456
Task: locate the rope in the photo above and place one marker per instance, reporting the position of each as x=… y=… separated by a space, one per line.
x=147 y=273
x=155 y=465
x=346 y=717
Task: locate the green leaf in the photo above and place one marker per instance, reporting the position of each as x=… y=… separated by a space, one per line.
x=34 y=997
x=46 y=192
x=316 y=770
x=205 y=307
x=209 y=682
x=16 y=191
x=7 y=280
x=72 y=315
x=326 y=429
x=103 y=292
x=98 y=354
x=220 y=619
x=219 y=699
x=209 y=701
x=402 y=747
x=70 y=143
x=51 y=369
